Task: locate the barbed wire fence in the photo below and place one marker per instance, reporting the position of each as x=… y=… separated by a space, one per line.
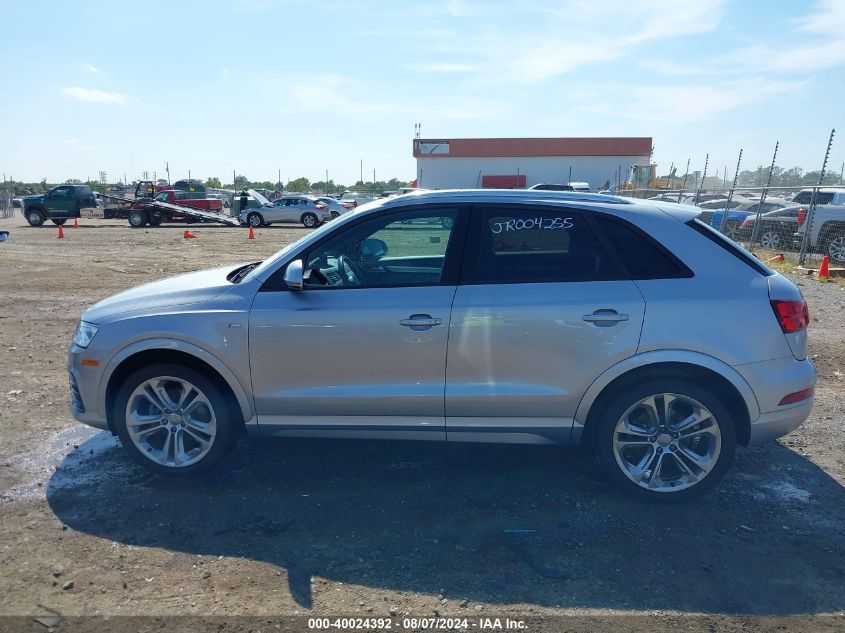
x=798 y=221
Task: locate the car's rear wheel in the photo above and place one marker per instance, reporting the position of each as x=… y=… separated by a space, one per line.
x=665 y=439
x=155 y=220
x=335 y=215
x=255 y=220
x=174 y=420
x=836 y=247
x=770 y=239
x=35 y=218
x=309 y=220
x=58 y=221
x=731 y=229
x=137 y=219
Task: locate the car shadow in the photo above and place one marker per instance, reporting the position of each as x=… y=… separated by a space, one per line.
x=493 y=523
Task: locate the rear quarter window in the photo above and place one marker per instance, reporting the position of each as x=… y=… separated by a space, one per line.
x=640 y=254
x=731 y=247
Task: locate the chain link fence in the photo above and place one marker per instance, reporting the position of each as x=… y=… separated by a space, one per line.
x=7 y=209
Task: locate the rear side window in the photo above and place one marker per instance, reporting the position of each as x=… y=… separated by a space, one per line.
x=740 y=253
x=642 y=256
x=806 y=197
x=532 y=245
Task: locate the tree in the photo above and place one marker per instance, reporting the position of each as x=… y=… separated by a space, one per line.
x=300 y=184
x=213 y=183
x=241 y=182
x=73 y=181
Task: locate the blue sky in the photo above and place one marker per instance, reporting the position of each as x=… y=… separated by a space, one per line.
x=304 y=86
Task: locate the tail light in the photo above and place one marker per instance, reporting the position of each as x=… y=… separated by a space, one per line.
x=746 y=223
x=802 y=215
x=792 y=316
x=320 y=207
x=354 y=203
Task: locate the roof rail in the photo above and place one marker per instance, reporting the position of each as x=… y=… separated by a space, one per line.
x=535 y=194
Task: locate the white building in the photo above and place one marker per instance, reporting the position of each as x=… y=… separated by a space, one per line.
x=471 y=163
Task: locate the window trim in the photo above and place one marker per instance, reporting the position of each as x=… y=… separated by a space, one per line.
x=469 y=269
x=453 y=258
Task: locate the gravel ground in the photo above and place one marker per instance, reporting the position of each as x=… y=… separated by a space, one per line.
x=378 y=528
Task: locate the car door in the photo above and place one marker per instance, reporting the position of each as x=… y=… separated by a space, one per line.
x=361 y=349
x=60 y=201
x=541 y=310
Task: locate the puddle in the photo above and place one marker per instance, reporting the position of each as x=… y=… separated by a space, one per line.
x=71 y=457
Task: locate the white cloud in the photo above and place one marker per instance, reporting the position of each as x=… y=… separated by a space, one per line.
x=441 y=67
x=92 y=69
x=684 y=104
x=92 y=95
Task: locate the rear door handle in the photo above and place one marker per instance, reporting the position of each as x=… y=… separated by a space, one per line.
x=605 y=317
x=421 y=321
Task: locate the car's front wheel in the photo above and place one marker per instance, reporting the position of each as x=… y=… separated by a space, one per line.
x=137 y=219
x=35 y=218
x=255 y=220
x=665 y=439
x=173 y=420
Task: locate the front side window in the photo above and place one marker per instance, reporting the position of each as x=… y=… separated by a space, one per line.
x=399 y=249
x=530 y=245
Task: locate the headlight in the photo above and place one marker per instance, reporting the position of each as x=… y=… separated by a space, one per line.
x=84 y=333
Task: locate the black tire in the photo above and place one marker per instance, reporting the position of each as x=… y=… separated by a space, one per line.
x=335 y=215
x=138 y=219
x=255 y=219
x=228 y=422
x=310 y=221
x=731 y=229
x=58 y=221
x=611 y=411
x=35 y=217
x=155 y=220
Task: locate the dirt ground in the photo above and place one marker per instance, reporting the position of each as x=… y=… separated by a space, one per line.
x=380 y=529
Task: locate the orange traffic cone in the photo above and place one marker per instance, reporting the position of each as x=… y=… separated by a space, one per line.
x=61 y=232
x=824 y=274
x=776 y=258
x=251 y=235
x=75 y=223
x=189 y=236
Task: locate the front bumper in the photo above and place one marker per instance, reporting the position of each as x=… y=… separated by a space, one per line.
x=84 y=384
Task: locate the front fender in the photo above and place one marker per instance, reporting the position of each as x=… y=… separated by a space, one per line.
x=244 y=401
x=666 y=356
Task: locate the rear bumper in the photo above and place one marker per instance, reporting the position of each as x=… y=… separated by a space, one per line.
x=771 y=380
x=770 y=426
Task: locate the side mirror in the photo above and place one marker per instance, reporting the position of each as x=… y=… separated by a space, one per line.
x=294 y=275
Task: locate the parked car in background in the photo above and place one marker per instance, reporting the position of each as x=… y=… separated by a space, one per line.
x=346 y=333
x=336 y=207
x=827 y=235
x=355 y=199
x=58 y=204
x=571 y=186
x=298 y=209
x=776 y=227
x=825 y=195
x=738 y=212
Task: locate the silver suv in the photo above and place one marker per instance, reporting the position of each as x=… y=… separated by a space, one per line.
x=469 y=316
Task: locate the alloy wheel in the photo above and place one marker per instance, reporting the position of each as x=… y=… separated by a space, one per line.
x=770 y=240
x=667 y=442
x=836 y=248
x=171 y=421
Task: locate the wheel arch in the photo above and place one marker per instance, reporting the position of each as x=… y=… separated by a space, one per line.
x=717 y=375
x=144 y=353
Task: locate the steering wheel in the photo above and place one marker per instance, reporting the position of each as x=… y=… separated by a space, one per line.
x=351 y=273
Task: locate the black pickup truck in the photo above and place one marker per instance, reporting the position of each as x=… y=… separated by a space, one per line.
x=58 y=204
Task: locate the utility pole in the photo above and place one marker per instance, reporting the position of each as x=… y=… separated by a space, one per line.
x=362 y=171
x=327 y=181
x=167 y=166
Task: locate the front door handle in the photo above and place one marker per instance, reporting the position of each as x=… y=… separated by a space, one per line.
x=605 y=317
x=421 y=321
